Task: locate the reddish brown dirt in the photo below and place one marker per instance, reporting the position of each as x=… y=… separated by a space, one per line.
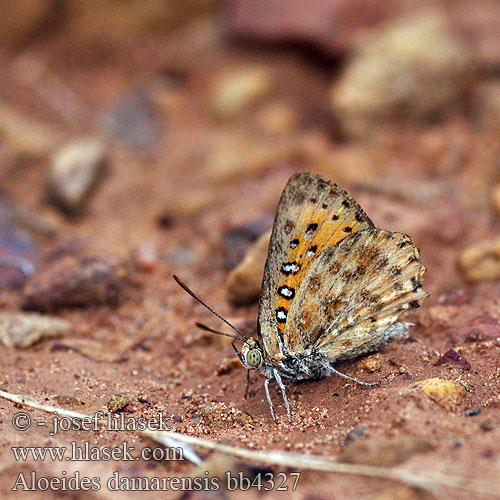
x=430 y=181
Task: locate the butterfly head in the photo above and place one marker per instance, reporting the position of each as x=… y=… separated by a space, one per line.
x=251 y=355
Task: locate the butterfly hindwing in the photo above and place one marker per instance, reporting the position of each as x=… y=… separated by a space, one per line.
x=313 y=214
x=353 y=294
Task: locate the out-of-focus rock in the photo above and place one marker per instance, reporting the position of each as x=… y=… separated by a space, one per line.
x=236 y=155
x=134 y=120
x=234 y=91
x=382 y=451
x=71 y=280
x=331 y=26
x=146 y=257
x=445 y=393
x=75 y=172
x=24 y=329
x=25 y=138
x=244 y=283
x=223 y=416
x=414 y=68
x=189 y=204
x=18 y=256
x=481 y=262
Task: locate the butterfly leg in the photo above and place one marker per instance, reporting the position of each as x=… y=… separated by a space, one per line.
x=247 y=384
x=283 y=393
x=343 y=375
x=268 y=396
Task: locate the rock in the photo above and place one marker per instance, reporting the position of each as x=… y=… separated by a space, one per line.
x=414 y=68
x=223 y=416
x=481 y=262
x=445 y=393
x=238 y=154
x=18 y=256
x=234 y=91
x=135 y=122
x=72 y=280
x=146 y=257
x=189 y=204
x=244 y=282
x=117 y=402
x=24 y=329
x=371 y=363
x=75 y=172
x=331 y=26
x=382 y=451
x=452 y=357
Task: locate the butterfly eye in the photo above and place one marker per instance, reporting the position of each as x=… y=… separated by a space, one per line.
x=254 y=358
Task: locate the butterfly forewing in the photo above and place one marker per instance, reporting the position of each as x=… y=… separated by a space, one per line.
x=354 y=293
x=313 y=214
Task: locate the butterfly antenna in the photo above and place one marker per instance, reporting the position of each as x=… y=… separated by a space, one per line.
x=206 y=328
x=243 y=338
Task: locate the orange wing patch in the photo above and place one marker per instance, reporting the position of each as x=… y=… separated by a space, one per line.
x=325 y=226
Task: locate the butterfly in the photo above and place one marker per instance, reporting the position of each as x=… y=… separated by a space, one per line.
x=334 y=287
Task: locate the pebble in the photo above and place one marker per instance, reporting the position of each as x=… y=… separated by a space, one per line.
x=222 y=415
x=18 y=256
x=235 y=91
x=413 y=68
x=228 y=365
x=445 y=393
x=135 y=122
x=451 y=356
x=481 y=261
x=371 y=363
x=483 y=327
x=330 y=26
x=383 y=451
x=473 y=412
x=487 y=425
x=75 y=172
x=244 y=283
x=495 y=197
x=70 y=279
x=117 y=402
x=25 y=329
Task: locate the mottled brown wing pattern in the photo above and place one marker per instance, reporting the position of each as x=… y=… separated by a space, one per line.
x=313 y=214
x=353 y=293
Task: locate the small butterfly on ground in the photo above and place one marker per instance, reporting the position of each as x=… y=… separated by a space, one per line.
x=334 y=287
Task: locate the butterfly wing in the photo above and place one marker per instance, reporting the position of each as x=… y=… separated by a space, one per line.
x=313 y=214
x=354 y=293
